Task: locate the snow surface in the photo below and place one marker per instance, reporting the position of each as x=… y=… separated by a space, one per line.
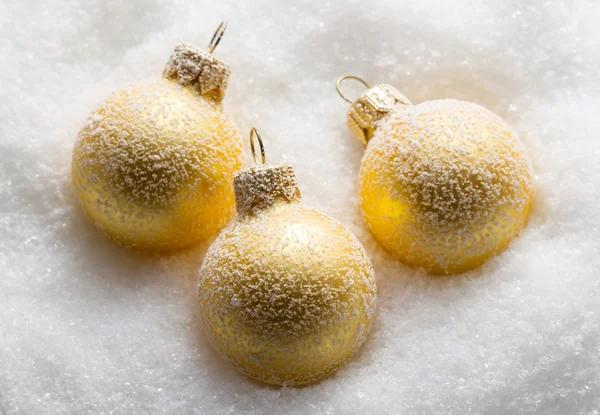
x=89 y=327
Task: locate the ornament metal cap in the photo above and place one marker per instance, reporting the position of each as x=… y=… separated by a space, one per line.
x=260 y=187
x=204 y=72
x=372 y=105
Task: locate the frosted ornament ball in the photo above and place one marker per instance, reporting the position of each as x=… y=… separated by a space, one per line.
x=286 y=294
x=444 y=184
x=153 y=165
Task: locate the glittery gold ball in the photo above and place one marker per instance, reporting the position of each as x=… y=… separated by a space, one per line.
x=445 y=185
x=153 y=166
x=286 y=295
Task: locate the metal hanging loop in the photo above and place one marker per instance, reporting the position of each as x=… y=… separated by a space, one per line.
x=338 y=85
x=255 y=134
x=214 y=42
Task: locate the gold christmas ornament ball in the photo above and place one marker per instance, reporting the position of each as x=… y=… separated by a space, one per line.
x=445 y=184
x=153 y=165
x=287 y=294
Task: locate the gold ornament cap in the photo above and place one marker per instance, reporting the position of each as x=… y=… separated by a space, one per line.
x=203 y=71
x=372 y=105
x=260 y=187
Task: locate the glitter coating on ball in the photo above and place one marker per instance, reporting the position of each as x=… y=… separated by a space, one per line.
x=445 y=185
x=153 y=165
x=287 y=294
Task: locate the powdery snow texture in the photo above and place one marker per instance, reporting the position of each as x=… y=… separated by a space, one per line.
x=89 y=327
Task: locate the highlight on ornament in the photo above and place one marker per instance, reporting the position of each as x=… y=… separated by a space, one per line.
x=153 y=165
x=286 y=294
x=445 y=184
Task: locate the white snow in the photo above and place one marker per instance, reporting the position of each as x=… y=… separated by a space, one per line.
x=89 y=327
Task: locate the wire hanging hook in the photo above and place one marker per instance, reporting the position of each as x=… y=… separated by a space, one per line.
x=212 y=45
x=254 y=133
x=342 y=79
